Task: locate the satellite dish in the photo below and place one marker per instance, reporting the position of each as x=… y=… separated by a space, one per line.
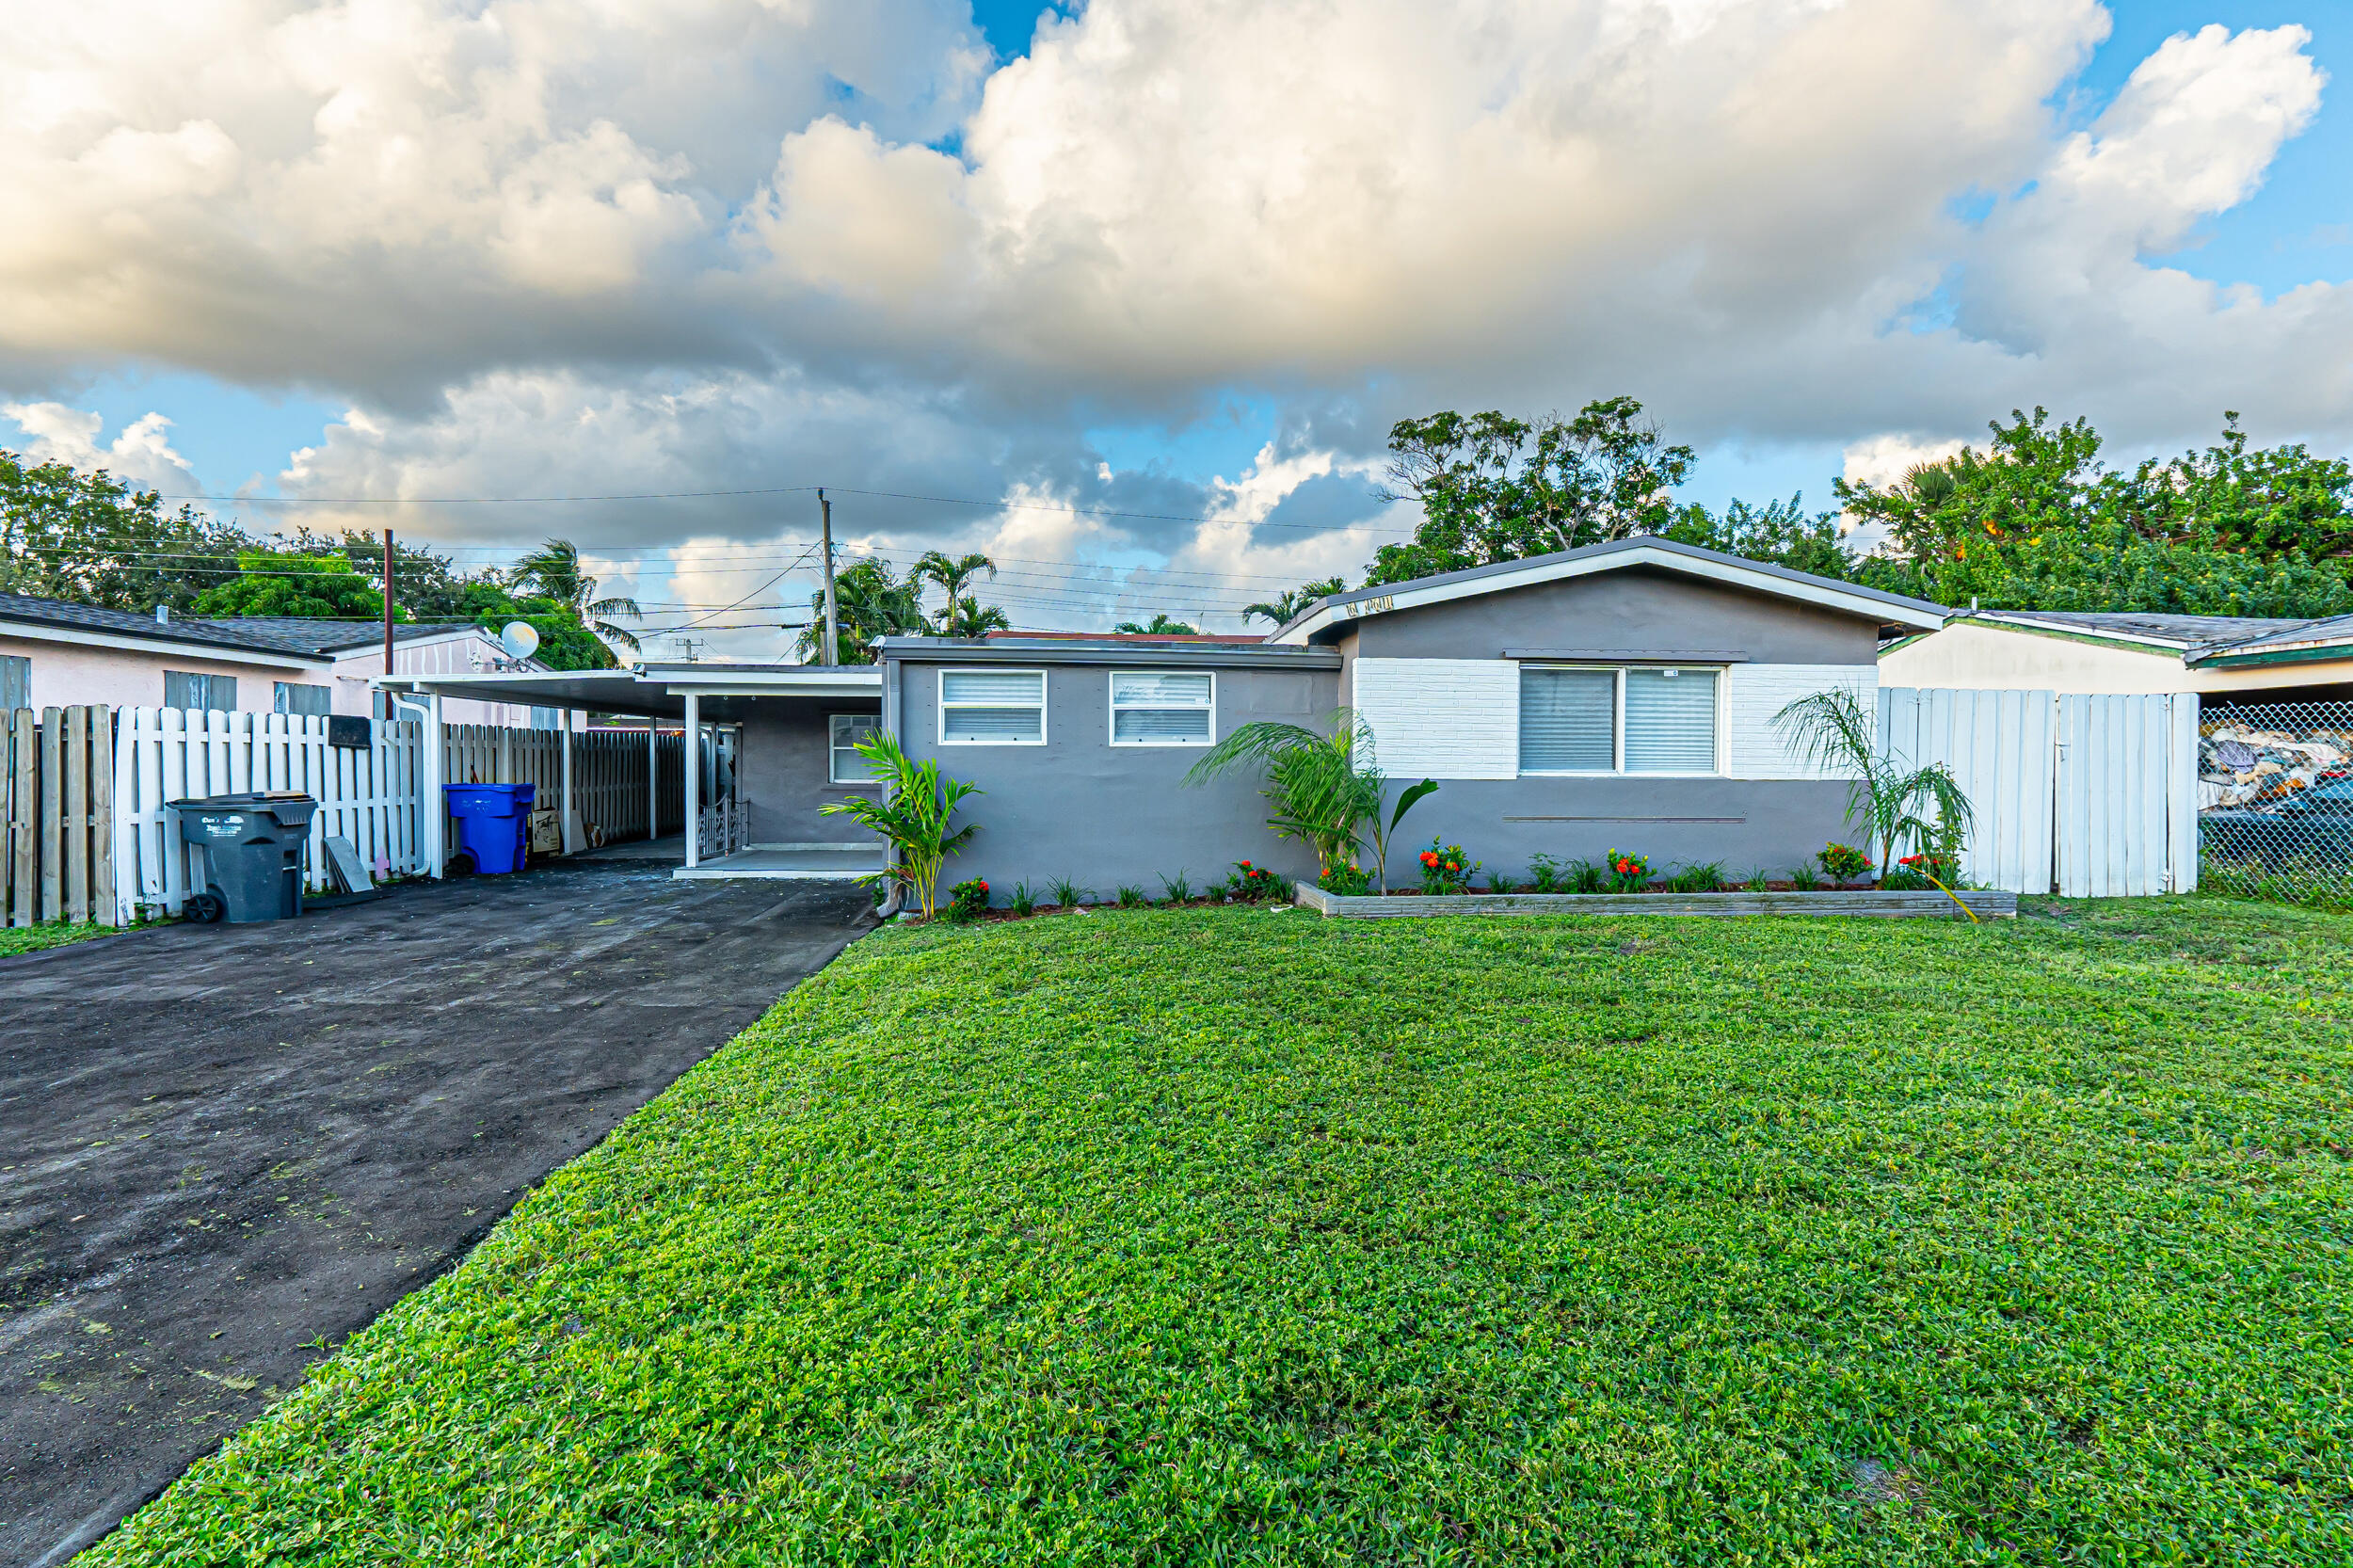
x=520 y=640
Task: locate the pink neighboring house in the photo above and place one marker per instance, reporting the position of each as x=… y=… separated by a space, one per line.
x=55 y=653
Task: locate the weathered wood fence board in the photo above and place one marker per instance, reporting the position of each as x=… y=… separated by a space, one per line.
x=56 y=793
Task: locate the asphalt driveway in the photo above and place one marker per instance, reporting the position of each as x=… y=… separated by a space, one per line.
x=223 y=1148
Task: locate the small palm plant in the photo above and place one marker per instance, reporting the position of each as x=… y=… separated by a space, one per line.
x=1836 y=732
x=1327 y=790
x=912 y=816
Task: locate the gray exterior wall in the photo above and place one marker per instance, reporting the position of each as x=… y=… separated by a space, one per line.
x=1744 y=823
x=1104 y=815
x=1631 y=610
x=781 y=768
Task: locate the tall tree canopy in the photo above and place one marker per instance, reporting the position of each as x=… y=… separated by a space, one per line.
x=555 y=571
x=90 y=538
x=269 y=583
x=1493 y=488
x=2034 y=520
x=870 y=602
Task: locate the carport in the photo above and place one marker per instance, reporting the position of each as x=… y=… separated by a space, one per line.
x=790 y=729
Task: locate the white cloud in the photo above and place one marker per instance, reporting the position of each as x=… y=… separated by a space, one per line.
x=140 y=453
x=594 y=246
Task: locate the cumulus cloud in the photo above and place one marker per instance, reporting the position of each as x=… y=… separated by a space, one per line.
x=140 y=453
x=557 y=247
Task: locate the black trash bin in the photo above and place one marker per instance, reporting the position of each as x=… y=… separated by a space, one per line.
x=254 y=855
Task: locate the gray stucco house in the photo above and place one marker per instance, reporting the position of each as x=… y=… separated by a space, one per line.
x=1618 y=696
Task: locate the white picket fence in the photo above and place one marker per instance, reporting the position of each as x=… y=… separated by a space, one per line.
x=2093 y=796
x=369 y=795
x=366 y=795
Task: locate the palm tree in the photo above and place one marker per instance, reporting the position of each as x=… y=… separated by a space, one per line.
x=553 y=570
x=968 y=617
x=1286 y=607
x=1838 y=734
x=870 y=602
x=1327 y=788
x=1161 y=627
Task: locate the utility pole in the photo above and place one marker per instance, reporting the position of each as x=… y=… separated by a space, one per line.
x=388 y=601
x=832 y=654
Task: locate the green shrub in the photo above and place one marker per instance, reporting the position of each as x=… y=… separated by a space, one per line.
x=1758 y=881
x=1068 y=894
x=1445 y=868
x=1844 y=862
x=967 y=901
x=1023 y=900
x=1349 y=880
x=1177 y=888
x=1132 y=897
x=1804 y=878
x=1546 y=875
x=1253 y=884
x=1627 y=870
x=1707 y=877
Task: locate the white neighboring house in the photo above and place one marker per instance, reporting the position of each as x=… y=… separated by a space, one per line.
x=56 y=653
x=2222 y=658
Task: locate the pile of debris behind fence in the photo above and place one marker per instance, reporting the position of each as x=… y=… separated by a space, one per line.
x=2274 y=784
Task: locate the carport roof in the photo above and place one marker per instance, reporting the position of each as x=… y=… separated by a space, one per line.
x=654 y=691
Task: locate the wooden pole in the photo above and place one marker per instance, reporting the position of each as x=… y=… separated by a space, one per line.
x=832 y=654
x=388 y=606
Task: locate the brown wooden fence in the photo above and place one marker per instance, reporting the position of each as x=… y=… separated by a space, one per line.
x=57 y=804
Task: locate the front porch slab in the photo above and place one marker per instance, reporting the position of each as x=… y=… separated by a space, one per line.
x=789 y=862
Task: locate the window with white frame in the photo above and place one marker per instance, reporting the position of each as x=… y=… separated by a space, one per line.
x=992 y=708
x=849 y=732
x=1638 y=719
x=1173 y=708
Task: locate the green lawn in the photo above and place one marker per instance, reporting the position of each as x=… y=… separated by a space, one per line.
x=1233 y=1235
x=57 y=934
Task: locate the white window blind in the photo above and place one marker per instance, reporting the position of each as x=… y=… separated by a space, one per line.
x=849 y=730
x=1568 y=721
x=992 y=707
x=294 y=696
x=1669 y=721
x=1163 y=708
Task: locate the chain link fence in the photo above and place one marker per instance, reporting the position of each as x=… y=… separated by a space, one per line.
x=2275 y=799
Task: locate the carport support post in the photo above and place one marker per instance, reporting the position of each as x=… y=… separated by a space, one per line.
x=653 y=776
x=694 y=779
x=569 y=847
x=434 y=819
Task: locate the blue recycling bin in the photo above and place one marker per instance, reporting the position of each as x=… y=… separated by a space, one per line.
x=493 y=824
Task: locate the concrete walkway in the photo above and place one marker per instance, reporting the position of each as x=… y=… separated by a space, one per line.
x=220 y=1144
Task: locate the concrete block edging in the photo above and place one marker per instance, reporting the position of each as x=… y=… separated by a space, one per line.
x=1870 y=902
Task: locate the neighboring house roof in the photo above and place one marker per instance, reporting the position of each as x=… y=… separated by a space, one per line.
x=1244 y=637
x=2196 y=640
x=337 y=636
x=2173 y=631
x=1111 y=648
x=1615 y=555
x=120 y=626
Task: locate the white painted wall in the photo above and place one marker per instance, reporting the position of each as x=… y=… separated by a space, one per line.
x=1974 y=655
x=461 y=652
x=66 y=673
x=1448 y=718
x=1752 y=694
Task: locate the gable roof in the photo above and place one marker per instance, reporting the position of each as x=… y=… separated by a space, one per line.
x=2196 y=640
x=302 y=637
x=1614 y=556
x=334 y=636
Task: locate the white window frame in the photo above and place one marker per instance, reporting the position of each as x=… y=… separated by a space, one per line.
x=1617 y=768
x=1113 y=707
x=1043 y=694
x=833 y=749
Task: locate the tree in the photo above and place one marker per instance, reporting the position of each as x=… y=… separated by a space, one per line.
x=90 y=538
x=2034 y=521
x=1324 y=786
x=912 y=816
x=968 y=617
x=1493 y=488
x=1290 y=603
x=1780 y=534
x=870 y=601
x=1162 y=626
x=553 y=570
x=1841 y=736
x=269 y=583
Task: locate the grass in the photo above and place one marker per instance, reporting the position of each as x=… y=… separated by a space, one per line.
x=1235 y=1236
x=55 y=934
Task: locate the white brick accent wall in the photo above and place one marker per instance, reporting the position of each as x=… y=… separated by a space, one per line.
x=1446 y=718
x=1754 y=693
